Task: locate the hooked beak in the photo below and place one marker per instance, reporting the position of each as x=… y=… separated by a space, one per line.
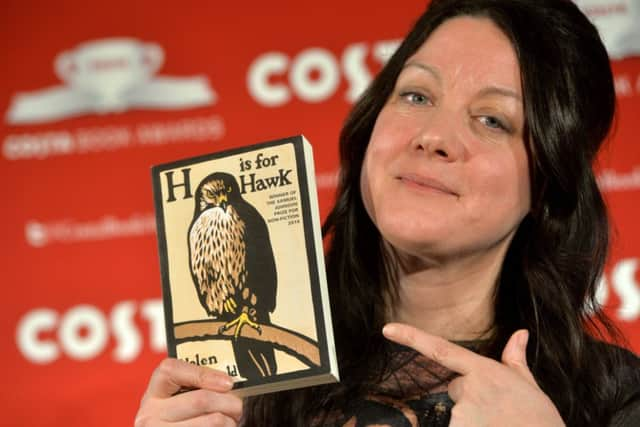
x=222 y=202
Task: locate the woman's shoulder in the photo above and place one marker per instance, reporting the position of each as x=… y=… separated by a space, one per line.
x=624 y=369
x=629 y=373
x=624 y=363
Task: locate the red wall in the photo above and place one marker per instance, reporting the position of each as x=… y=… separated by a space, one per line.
x=81 y=323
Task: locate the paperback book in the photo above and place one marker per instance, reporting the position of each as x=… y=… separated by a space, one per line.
x=242 y=265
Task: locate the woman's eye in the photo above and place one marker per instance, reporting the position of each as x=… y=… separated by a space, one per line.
x=416 y=98
x=493 y=123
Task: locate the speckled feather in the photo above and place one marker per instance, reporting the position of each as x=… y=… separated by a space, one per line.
x=218 y=256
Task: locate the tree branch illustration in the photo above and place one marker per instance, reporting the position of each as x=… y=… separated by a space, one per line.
x=292 y=343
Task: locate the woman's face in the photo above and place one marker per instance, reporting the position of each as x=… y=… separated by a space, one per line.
x=446 y=173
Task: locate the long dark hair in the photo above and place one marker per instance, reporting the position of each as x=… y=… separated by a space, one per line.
x=554 y=262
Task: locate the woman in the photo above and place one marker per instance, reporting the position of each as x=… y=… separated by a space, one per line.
x=468 y=221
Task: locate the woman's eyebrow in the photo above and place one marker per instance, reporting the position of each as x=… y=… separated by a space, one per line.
x=424 y=67
x=490 y=90
x=496 y=90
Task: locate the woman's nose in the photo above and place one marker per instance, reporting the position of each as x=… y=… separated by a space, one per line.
x=439 y=137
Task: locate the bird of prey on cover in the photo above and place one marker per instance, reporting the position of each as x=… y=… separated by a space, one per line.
x=233 y=268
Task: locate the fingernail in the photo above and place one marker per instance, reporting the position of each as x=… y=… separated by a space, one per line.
x=218 y=381
x=227 y=382
x=389 y=330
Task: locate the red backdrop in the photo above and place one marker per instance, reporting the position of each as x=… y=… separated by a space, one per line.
x=95 y=93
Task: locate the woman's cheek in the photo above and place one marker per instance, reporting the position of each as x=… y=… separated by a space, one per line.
x=365 y=189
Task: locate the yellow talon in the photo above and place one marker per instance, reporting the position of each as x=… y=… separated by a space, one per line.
x=239 y=322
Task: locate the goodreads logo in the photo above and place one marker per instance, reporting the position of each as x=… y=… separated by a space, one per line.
x=108 y=76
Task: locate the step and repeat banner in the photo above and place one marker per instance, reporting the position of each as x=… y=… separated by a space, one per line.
x=94 y=93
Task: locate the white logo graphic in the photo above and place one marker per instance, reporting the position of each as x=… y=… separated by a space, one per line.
x=624 y=283
x=84 y=331
x=106 y=76
x=39 y=234
x=611 y=180
x=618 y=24
x=314 y=74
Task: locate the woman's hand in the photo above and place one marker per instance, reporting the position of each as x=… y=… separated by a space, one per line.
x=487 y=392
x=209 y=404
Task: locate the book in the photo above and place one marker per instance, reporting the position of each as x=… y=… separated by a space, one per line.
x=241 y=258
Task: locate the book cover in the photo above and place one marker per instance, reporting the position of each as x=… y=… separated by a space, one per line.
x=242 y=264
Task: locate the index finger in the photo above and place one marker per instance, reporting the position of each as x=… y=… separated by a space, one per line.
x=173 y=375
x=438 y=349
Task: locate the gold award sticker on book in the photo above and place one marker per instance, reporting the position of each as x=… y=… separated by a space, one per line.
x=243 y=273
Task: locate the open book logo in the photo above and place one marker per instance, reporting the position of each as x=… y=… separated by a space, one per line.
x=108 y=76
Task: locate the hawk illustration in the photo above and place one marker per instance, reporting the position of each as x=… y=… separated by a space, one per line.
x=233 y=268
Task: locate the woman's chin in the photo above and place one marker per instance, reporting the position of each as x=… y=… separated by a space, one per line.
x=408 y=246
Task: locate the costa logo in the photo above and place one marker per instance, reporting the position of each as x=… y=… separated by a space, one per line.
x=96 y=139
x=623 y=282
x=82 y=333
x=44 y=335
x=314 y=74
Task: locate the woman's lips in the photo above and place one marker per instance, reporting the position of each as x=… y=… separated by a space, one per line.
x=427 y=183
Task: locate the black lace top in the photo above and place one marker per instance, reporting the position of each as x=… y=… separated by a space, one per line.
x=413 y=392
